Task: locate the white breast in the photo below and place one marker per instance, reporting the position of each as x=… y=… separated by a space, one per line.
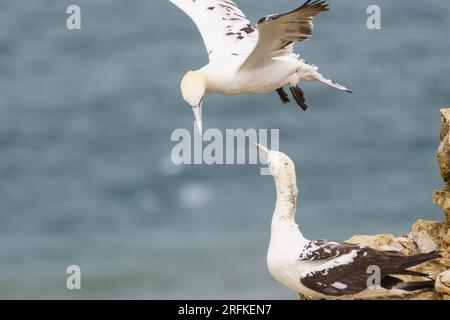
x=228 y=79
x=283 y=261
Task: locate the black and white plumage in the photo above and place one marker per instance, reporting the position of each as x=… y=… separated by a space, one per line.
x=330 y=269
x=250 y=59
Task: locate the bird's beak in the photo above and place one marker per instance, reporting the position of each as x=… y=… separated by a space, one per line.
x=198 y=117
x=262 y=150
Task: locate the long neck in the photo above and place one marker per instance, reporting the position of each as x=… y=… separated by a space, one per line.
x=285 y=230
x=286 y=204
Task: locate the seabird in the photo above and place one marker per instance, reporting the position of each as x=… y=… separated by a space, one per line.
x=325 y=269
x=245 y=59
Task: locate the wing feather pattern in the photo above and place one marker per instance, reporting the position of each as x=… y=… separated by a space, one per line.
x=277 y=32
x=224 y=27
x=345 y=270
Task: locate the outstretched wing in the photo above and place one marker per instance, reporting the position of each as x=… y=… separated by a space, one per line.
x=346 y=267
x=278 y=32
x=224 y=27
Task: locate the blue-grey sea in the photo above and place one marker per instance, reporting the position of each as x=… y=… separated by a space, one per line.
x=86 y=118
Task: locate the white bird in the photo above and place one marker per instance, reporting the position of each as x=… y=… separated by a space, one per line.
x=246 y=59
x=330 y=269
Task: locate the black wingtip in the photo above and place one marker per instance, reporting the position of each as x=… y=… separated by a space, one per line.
x=322 y=3
x=417 y=259
x=349 y=91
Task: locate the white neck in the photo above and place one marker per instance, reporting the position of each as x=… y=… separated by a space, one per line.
x=286 y=204
x=283 y=222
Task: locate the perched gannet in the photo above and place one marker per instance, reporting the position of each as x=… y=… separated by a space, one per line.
x=246 y=59
x=330 y=269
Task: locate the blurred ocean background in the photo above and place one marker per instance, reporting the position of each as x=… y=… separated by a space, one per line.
x=85 y=124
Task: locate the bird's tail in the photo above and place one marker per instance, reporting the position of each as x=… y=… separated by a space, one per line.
x=317 y=76
x=405 y=262
x=417 y=285
x=390 y=282
x=411 y=261
x=414 y=260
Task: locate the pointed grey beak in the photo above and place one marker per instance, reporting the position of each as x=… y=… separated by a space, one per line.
x=262 y=150
x=198 y=117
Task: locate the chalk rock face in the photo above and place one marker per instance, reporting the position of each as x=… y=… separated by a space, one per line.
x=441 y=197
x=442 y=284
x=380 y=242
x=427 y=235
x=446 y=237
x=443 y=155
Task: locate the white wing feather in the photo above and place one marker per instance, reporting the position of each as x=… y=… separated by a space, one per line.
x=224 y=27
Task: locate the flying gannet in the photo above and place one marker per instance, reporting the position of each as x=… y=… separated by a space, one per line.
x=246 y=59
x=325 y=269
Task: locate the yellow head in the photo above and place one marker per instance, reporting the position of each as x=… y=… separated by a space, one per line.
x=193 y=89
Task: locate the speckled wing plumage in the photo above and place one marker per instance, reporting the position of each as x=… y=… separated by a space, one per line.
x=225 y=29
x=345 y=270
x=278 y=32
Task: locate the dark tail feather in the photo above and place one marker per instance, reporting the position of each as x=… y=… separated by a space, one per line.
x=413 y=286
x=390 y=282
x=299 y=97
x=414 y=260
x=413 y=273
